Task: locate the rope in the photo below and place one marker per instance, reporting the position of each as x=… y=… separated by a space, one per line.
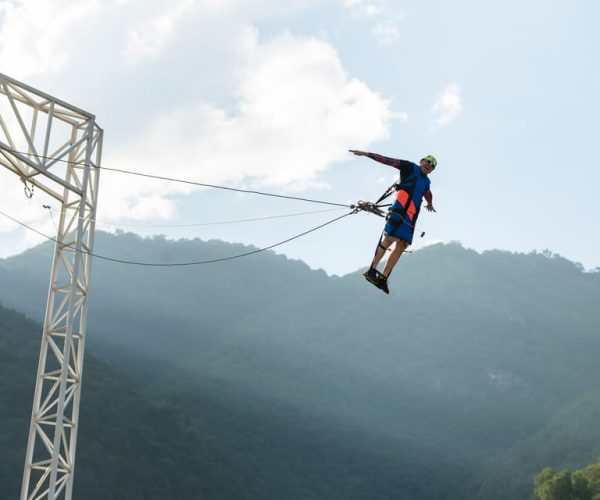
x=216 y=186
x=183 y=181
x=214 y=223
x=179 y=264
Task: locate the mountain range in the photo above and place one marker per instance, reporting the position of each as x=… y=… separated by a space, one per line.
x=475 y=372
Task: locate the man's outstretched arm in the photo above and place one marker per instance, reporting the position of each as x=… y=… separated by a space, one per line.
x=402 y=165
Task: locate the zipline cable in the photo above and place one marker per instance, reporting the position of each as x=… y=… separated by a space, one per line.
x=216 y=186
x=183 y=181
x=180 y=264
x=213 y=223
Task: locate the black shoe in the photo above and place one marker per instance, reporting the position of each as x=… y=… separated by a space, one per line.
x=382 y=284
x=372 y=276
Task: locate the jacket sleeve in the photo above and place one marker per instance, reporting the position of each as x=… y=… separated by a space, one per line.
x=404 y=166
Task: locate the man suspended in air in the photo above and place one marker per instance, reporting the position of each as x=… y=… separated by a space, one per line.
x=414 y=185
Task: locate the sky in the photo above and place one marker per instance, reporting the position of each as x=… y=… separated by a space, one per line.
x=270 y=96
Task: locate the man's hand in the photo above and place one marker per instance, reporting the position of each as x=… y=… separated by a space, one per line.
x=430 y=208
x=358 y=153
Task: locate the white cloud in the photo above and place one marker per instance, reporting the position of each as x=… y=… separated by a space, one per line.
x=448 y=105
x=45 y=37
x=297 y=112
x=386 y=28
x=148 y=37
x=36 y=36
x=289 y=113
x=362 y=8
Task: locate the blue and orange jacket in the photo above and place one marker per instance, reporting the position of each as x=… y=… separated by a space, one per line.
x=414 y=185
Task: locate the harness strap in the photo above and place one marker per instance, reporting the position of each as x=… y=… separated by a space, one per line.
x=388 y=192
x=379 y=245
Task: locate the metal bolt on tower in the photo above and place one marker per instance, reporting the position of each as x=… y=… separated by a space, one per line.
x=57 y=148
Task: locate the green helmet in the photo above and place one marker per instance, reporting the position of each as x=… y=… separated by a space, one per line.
x=431 y=159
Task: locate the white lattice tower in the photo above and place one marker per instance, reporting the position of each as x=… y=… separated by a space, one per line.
x=56 y=148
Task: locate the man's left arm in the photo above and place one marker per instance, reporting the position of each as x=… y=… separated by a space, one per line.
x=429 y=199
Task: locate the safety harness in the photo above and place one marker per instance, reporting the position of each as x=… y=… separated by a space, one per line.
x=376 y=208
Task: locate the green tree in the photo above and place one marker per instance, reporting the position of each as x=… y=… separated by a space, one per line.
x=551 y=485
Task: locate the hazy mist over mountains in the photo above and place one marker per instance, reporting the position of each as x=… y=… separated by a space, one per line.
x=475 y=373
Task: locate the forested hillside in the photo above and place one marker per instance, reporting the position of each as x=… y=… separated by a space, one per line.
x=128 y=448
x=463 y=383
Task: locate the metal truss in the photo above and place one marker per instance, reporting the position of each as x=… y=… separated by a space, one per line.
x=56 y=148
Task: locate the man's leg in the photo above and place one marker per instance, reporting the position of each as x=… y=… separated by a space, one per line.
x=394 y=256
x=384 y=243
